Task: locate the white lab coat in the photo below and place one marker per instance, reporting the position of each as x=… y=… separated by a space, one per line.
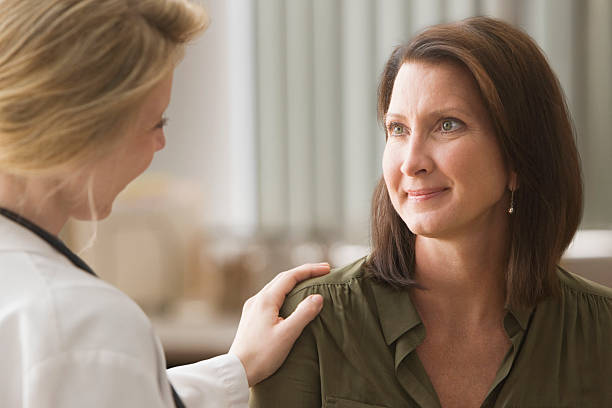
x=68 y=339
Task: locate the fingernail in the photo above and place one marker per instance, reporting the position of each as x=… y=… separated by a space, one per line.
x=316 y=299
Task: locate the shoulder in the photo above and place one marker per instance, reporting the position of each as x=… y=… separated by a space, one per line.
x=580 y=302
x=335 y=287
x=342 y=276
x=568 y=342
x=571 y=282
x=49 y=307
x=584 y=300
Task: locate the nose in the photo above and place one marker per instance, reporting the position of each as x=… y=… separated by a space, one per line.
x=417 y=160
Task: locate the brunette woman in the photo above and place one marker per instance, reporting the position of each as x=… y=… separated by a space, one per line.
x=461 y=302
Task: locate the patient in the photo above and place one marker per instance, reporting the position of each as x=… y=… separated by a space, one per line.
x=461 y=302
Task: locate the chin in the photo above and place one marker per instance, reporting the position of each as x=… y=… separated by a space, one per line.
x=85 y=214
x=429 y=228
x=425 y=232
x=105 y=212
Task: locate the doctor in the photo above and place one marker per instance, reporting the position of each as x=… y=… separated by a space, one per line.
x=83 y=89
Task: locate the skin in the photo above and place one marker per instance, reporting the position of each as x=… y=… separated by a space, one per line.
x=51 y=207
x=447 y=180
x=263 y=339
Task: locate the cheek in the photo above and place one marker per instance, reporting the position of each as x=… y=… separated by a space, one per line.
x=140 y=154
x=391 y=167
x=480 y=173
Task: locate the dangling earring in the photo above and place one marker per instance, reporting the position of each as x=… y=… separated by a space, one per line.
x=511 y=209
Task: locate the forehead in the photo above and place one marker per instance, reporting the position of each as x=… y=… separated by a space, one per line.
x=428 y=85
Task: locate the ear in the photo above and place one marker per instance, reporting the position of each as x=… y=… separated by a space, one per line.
x=513 y=181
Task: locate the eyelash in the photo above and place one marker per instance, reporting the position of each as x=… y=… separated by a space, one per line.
x=392 y=125
x=457 y=121
x=162 y=123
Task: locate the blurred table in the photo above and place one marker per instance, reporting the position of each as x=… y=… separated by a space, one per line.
x=590 y=255
x=188 y=339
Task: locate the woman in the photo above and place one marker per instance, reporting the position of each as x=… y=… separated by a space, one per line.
x=83 y=88
x=461 y=302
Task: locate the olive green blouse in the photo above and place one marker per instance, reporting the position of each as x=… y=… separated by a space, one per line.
x=360 y=351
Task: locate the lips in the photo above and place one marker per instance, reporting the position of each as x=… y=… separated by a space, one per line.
x=425 y=194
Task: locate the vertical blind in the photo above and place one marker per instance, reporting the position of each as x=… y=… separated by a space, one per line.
x=317 y=63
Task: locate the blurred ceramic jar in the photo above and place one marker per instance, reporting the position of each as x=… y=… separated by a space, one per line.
x=148 y=246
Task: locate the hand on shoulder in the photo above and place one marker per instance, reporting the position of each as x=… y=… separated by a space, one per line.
x=264 y=339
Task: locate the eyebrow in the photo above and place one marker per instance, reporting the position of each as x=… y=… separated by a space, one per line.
x=448 y=111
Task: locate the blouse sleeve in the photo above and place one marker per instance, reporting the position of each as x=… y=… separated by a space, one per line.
x=219 y=382
x=97 y=379
x=296 y=384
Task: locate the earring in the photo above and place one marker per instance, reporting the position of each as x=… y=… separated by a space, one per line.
x=511 y=209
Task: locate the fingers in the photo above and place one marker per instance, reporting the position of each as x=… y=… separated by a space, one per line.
x=284 y=282
x=307 y=310
x=262 y=332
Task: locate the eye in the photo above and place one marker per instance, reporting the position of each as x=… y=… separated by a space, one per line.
x=450 y=125
x=396 y=129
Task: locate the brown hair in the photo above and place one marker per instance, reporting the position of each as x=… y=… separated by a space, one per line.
x=533 y=128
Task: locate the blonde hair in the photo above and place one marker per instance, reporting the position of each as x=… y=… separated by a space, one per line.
x=73 y=72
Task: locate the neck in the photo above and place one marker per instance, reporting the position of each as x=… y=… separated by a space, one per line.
x=36 y=199
x=464 y=277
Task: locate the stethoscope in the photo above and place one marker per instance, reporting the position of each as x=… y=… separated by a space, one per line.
x=60 y=247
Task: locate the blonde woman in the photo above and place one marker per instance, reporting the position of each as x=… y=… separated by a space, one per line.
x=83 y=88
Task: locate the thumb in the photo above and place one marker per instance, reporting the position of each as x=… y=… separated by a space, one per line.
x=307 y=310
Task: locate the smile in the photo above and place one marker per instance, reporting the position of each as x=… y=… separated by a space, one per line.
x=426 y=194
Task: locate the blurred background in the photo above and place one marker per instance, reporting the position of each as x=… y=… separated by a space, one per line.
x=273 y=151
